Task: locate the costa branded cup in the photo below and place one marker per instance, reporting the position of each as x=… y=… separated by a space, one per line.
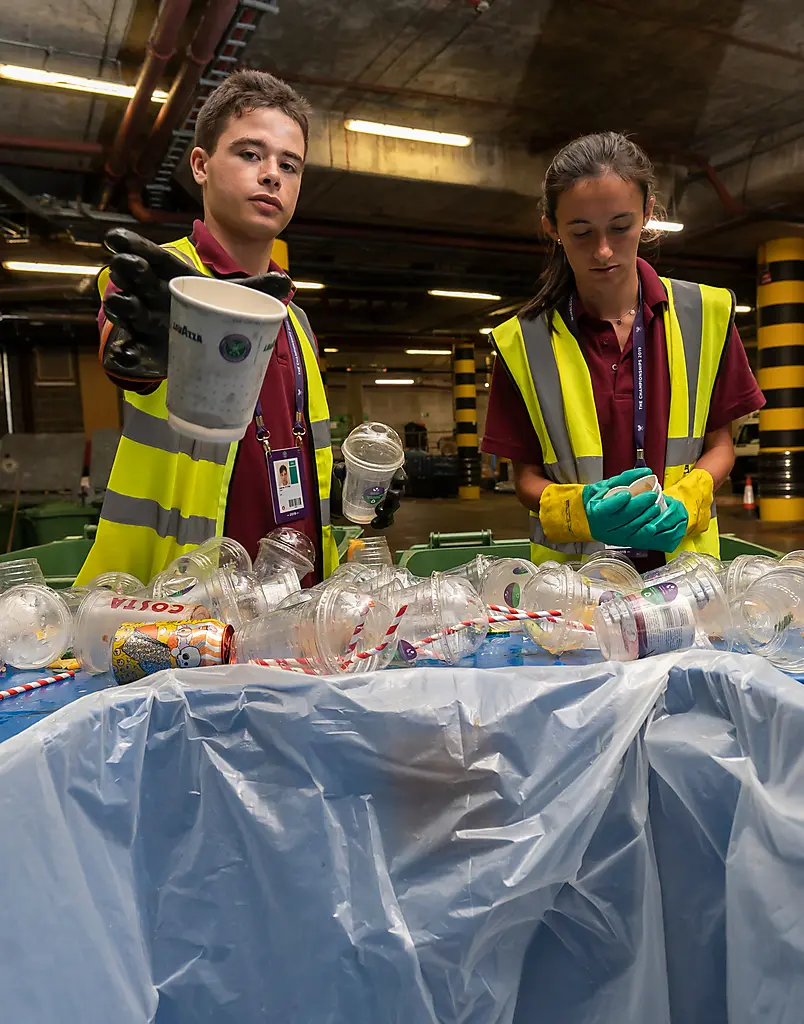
x=102 y=612
x=222 y=336
x=373 y=452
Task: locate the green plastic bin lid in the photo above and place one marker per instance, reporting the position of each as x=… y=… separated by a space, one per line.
x=57 y=509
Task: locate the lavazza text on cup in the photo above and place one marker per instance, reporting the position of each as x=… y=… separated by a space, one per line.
x=222 y=336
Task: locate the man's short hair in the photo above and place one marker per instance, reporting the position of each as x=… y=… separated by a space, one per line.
x=242 y=92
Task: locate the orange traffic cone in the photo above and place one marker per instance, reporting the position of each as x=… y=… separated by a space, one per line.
x=749 y=502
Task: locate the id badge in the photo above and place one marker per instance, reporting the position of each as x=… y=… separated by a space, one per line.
x=288 y=484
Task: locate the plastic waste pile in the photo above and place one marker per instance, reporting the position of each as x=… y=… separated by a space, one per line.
x=211 y=606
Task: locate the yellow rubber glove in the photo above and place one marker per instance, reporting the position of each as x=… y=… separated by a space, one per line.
x=695 y=491
x=563 y=515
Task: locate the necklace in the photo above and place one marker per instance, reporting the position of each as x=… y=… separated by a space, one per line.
x=619 y=319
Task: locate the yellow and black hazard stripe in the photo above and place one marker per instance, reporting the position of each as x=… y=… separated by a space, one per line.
x=780 y=337
x=465 y=394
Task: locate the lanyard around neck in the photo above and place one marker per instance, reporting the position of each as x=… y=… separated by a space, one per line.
x=638 y=347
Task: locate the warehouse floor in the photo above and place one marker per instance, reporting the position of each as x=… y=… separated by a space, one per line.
x=505 y=517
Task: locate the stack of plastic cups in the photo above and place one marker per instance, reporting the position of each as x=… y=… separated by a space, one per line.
x=372 y=452
x=770 y=617
x=437 y=610
x=285 y=548
x=102 y=612
x=21 y=570
x=117 y=582
x=371 y=551
x=36 y=626
x=678 y=612
x=313 y=632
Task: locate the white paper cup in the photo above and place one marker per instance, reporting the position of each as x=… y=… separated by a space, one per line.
x=222 y=336
x=373 y=452
x=641 y=486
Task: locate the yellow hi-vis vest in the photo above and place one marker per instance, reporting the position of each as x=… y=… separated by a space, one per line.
x=552 y=376
x=168 y=493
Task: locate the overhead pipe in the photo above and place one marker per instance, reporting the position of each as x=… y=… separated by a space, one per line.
x=200 y=52
x=147 y=216
x=159 y=50
x=51 y=145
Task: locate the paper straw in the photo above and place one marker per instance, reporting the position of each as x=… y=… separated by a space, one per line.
x=24 y=687
x=352 y=645
x=389 y=633
x=287 y=664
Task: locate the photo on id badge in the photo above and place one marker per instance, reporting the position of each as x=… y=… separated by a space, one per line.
x=288 y=484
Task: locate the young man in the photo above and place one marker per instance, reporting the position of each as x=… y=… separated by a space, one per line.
x=168 y=493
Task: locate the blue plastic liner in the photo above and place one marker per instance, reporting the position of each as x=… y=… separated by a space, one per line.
x=241 y=845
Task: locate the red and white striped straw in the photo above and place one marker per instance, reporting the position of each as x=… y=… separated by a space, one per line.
x=389 y=634
x=35 y=685
x=287 y=664
x=351 y=647
x=514 y=614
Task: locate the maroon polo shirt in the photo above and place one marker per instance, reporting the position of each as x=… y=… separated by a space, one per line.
x=249 y=511
x=510 y=433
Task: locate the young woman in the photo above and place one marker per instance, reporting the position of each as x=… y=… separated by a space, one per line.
x=612 y=373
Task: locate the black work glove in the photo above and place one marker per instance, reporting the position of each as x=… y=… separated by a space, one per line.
x=386 y=508
x=391 y=502
x=141 y=269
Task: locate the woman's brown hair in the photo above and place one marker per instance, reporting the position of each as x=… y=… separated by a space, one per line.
x=589 y=156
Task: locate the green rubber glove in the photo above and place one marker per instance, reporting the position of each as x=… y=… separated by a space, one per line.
x=667 y=531
x=621 y=519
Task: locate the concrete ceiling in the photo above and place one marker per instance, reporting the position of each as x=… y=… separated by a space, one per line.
x=379 y=220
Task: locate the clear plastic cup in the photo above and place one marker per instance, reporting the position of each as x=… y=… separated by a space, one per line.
x=73 y=596
x=770 y=617
x=233 y=596
x=360 y=576
x=497 y=580
x=36 y=626
x=561 y=636
x=313 y=630
x=279 y=587
x=21 y=570
x=373 y=452
x=102 y=612
x=222 y=336
x=118 y=582
x=371 y=551
x=388 y=582
x=215 y=553
x=792 y=558
x=577 y=594
x=743 y=571
x=680 y=564
x=687 y=611
x=436 y=608
x=285 y=548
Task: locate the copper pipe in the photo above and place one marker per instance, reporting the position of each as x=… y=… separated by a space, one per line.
x=161 y=47
x=50 y=145
x=146 y=216
x=200 y=52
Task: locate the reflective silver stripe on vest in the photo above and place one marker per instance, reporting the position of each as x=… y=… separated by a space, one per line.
x=322 y=433
x=588 y=469
x=154 y=432
x=683 y=451
x=301 y=316
x=544 y=374
x=128 y=511
x=688 y=302
x=325 y=513
x=578 y=550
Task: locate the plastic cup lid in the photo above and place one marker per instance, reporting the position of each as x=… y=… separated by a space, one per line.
x=374 y=446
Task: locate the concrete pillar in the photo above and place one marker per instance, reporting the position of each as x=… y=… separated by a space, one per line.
x=780 y=339
x=465 y=394
x=354 y=399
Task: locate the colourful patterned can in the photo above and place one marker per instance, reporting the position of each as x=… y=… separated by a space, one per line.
x=141 y=648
